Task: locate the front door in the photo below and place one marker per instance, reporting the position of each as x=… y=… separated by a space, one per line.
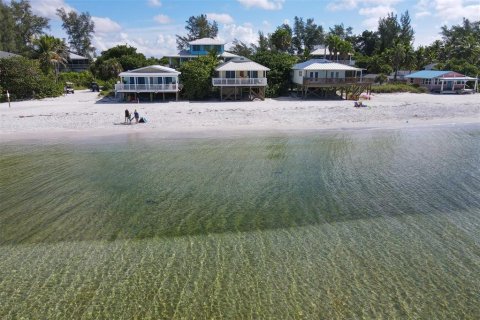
x=448 y=86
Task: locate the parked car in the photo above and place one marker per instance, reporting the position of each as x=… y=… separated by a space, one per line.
x=69 y=88
x=94 y=87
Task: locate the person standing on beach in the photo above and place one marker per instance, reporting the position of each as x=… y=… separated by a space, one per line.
x=136 y=115
x=127 y=116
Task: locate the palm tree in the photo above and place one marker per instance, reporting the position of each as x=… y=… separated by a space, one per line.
x=51 y=52
x=110 y=69
x=333 y=42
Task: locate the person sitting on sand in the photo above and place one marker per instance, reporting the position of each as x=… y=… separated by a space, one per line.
x=127 y=116
x=136 y=115
x=357 y=104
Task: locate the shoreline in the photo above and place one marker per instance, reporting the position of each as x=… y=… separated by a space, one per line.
x=84 y=116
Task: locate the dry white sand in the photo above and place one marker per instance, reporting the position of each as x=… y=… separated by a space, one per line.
x=84 y=113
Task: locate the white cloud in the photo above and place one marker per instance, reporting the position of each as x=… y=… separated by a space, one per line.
x=150 y=46
x=422 y=14
x=447 y=10
x=263 y=4
x=154 y=3
x=220 y=17
x=374 y=14
x=244 y=33
x=342 y=5
x=162 y=19
x=105 y=25
x=48 y=8
x=353 y=4
x=450 y=10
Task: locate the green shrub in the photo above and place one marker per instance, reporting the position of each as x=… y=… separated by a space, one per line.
x=23 y=79
x=81 y=80
x=197 y=77
x=391 y=88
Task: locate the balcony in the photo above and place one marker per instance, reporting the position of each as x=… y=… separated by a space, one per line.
x=326 y=81
x=173 y=87
x=246 y=82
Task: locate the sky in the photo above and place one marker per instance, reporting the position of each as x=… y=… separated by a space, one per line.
x=151 y=25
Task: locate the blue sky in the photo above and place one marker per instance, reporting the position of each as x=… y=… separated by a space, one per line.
x=151 y=25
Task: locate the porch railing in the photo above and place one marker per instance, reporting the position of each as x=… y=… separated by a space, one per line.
x=239 y=81
x=307 y=81
x=146 y=87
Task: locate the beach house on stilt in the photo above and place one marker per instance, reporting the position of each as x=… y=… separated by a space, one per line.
x=241 y=78
x=443 y=81
x=200 y=47
x=148 y=83
x=323 y=78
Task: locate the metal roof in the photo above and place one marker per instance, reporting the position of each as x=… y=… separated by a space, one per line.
x=323 y=51
x=427 y=74
x=226 y=54
x=4 y=54
x=207 y=41
x=241 y=64
x=323 y=64
x=150 y=70
x=74 y=56
x=187 y=54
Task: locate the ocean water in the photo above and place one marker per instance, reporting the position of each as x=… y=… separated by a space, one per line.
x=336 y=224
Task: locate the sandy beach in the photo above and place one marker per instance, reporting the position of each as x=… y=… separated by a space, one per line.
x=85 y=113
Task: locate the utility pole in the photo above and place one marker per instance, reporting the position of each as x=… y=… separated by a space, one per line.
x=8 y=98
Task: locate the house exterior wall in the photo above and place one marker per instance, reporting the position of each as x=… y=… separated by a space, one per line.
x=151 y=83
x=300 y=75
x=242 y=74
x=434 y=84
x=203 y=50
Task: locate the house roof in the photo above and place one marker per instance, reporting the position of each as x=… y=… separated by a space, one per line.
x=226 y=54
x=323 y=64
x=150 y=70
x=427 y=74
x=241 y=64
x=321 y=51
x=74 y=56
x=207 y=41
x=4 y=54
x=187 y=54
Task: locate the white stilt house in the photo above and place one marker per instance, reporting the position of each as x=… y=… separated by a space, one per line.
x=322 y=78
x=241 y=78
x=151 y=81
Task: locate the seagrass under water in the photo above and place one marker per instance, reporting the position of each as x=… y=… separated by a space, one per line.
x=333 y=225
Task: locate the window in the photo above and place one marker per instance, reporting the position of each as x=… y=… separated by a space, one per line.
x=300 y=73
x=253 y=74
x=337 y=74
x=140 y=80
x=207 y=47
x=230 y=74
x=331 y=74
x=160 y=80
x=195 y=48
x=168 y=80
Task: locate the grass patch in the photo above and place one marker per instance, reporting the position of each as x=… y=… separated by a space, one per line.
x=391 y=88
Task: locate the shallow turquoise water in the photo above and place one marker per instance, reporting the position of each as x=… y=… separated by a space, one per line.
x=328 y=225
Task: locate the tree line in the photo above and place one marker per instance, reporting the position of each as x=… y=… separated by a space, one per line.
x=387 y=49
